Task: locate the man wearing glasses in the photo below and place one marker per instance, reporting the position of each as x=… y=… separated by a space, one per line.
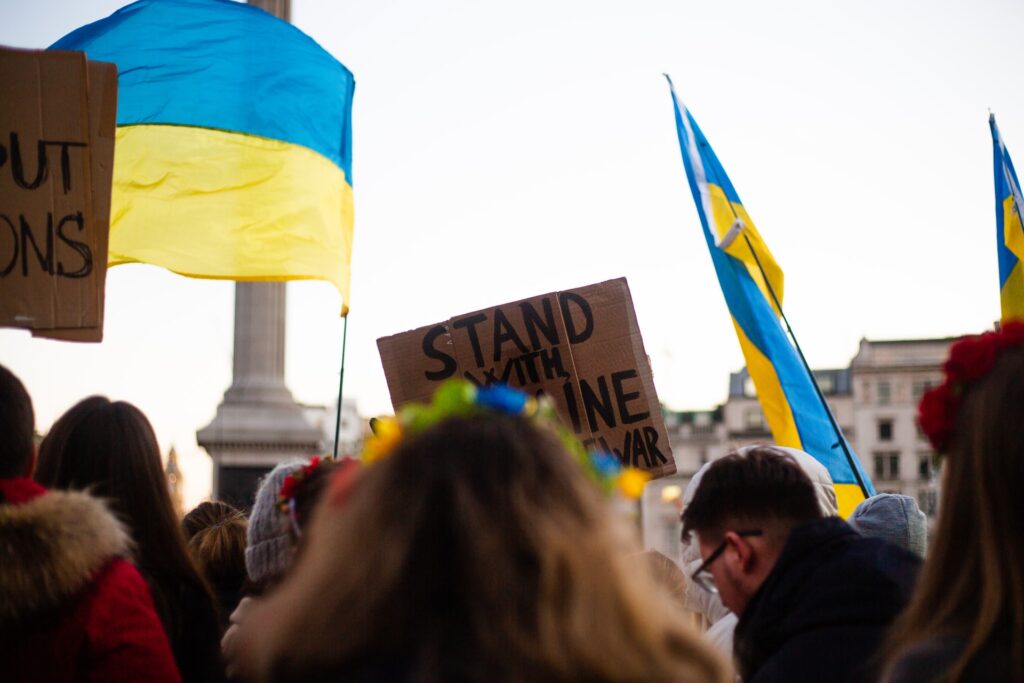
x=814 y=598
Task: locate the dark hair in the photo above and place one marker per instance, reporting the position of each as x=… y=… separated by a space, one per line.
x=110 y=449
x=762 y=484
x=492 y=552
x=216 y=539
x=972 y=583
x=17 y=425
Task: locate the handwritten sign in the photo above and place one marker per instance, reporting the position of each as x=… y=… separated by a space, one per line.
x=581 y=347
x=57 y=122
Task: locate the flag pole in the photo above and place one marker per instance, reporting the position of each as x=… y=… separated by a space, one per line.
x=341 y=385
x=807 y=367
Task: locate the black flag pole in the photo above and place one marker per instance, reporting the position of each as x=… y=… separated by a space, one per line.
x=803 y=360
x=341 y=385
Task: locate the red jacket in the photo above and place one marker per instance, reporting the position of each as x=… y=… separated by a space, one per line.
x=71 y=607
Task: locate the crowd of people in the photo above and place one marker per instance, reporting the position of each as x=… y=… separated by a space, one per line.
x=474 y=541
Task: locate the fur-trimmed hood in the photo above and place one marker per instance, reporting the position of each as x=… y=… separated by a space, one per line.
x=52 y=546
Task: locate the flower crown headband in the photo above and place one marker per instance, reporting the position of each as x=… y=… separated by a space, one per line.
x=459 y=397
x=286 y=496
x=970 y=359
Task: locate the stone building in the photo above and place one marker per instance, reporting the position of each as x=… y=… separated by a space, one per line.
x=874 y=401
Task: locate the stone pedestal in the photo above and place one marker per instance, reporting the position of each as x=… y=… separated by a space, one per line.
x=258 y=424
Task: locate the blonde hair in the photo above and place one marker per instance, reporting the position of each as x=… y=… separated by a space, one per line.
x=478 y=550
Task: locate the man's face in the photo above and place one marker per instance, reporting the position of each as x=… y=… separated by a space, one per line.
x=728 y=570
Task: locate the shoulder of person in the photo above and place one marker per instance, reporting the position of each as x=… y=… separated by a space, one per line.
x=58 y=542
x=926 y=661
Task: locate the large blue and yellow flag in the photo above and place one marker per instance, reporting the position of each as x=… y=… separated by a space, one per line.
x=787 y=393
x=1009 y=230
x=234 y=143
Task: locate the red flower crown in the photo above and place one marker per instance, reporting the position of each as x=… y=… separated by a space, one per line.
x=970 y=359
x=291 y=484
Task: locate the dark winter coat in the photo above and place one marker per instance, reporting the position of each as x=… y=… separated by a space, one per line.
x=929 y=662
x=71 y=607
x=823 y=611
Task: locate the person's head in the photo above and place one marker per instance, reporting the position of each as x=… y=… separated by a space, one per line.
x=709 y=605
x=268 y=550
x=17 y=427
x=972 y=582
x=215 y=532
x=478 y=545
x=894 y=518
x=110 y=449
x=742 y=514
x=666 y=573
x=274 y=533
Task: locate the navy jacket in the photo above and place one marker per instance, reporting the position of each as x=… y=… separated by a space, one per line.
x=823 y=611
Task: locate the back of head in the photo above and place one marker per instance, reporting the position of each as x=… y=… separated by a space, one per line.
x=215 y=532
x=492 y=556
x=274 y=533
x=268 y=551
x=971 y=582
x=760 y=486
x=17 y=426
x=894 y=518
x=110 y=449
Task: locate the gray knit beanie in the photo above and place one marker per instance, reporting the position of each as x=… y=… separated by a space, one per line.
x=268 y=551
x=894 y=518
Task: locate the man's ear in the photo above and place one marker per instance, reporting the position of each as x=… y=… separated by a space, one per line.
x=744 y=551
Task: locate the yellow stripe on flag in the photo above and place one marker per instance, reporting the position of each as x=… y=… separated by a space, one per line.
x=770 y=394
x=848 y=497
x=215 y=204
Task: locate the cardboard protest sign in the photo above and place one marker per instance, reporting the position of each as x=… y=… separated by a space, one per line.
x=581 y=347
x=54 y=195
x=102 y=127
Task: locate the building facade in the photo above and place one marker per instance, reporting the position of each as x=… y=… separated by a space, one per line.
x=874 y=400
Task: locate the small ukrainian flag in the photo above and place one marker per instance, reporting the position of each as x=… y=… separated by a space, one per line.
x=1009 y=231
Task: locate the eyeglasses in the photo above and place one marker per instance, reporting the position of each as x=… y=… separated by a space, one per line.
x=702 y=577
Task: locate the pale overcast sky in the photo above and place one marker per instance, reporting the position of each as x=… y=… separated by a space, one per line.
x=509 y=149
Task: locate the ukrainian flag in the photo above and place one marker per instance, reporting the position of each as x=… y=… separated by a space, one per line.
x=785 y=389
x=1009 y=231
x=234 y=143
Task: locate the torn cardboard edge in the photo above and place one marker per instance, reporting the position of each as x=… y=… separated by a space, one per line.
x=58 y=119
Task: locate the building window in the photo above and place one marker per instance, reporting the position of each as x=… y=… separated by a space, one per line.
x=887 y=465
x=921 y=386
x=884 y=392
x=826 y=382
x=885 y=430
x=703 y=457
x=748 y=387
x=924 y=465
x=755 y=418
x=927 y=500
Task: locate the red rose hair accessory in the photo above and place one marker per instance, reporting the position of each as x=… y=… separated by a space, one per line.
x=970 y=359
x=290 y=488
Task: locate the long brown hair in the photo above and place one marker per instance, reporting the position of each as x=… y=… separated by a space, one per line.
x=478 y=551
x=110 y=449
x=972 y=584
